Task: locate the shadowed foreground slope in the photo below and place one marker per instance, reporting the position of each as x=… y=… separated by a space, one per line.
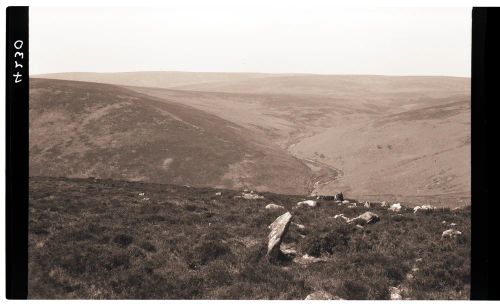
x=82 y=129
x=114 y=239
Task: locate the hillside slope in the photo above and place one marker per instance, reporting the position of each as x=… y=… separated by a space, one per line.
x=365 y=135
x=81 y=129
x=411 y=147
x=104 y=239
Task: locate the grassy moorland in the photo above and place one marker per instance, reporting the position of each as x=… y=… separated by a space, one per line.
x=414 y=131
x=115 y=239
x=83 y=129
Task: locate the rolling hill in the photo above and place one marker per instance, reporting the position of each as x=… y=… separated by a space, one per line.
x=369 y=136
x=83 y=129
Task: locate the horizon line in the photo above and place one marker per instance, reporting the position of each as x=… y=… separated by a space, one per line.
x=261 y=73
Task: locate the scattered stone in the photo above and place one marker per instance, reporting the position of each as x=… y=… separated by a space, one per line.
x=345 y=202
x=309 y=203
x=251 y=196
x=218 y=193
x=443 y=222
x=274 y=206
x=451 y=233
x=278 y=229
x=418 y=260
x=322 y=295
x=301 y=227
x=423 y=207
x=395 y=293
x=367 y=217
x=342 y=217
x=384 y=204
x=395 y=207
x=368 y=205
x=307 y=259
x=453 y=224
x=359 y=226
x=141 y=194
x=288 y=249
x=351 y=206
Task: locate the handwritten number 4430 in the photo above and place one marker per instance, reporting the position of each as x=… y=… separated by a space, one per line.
x=18 y=76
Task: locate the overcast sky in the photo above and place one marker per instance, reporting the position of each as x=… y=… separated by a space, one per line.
x=321 y=40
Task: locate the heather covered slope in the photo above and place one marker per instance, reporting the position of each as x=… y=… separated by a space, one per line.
x=405 y=142
x=105 y=239
x=369 y=136
x=82 y=129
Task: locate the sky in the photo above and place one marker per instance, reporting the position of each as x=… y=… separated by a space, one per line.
x=267 y=39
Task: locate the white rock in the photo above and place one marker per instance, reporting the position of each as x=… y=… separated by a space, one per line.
x=395 y=207
x=307 y=259
x=423 y=207
x=274 y=206
x=309 y=203
x=301 y=227
x=395 y=293
x=251 y=196
x=367 y=217
x=288 y=249
x=345 y=202
x=218 y=193
x=384 y=204
x=451 y=233
x=453 y=224
x=322 y=295
x=278 y=229
x=342 y=217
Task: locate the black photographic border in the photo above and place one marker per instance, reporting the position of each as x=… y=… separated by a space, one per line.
x=17 y=152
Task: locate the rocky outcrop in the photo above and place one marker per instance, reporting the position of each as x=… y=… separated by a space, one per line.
x=278 y=230
x=365 y=218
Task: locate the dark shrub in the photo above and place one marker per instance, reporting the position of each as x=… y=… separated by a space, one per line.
x=353 y=290
x=117 y=260
x=255 y=254
x=395 y=274
x=190 y=207
x=317 y=243
x=148 y=246
x=123 y=240
x=155 y=218
x=206 y=252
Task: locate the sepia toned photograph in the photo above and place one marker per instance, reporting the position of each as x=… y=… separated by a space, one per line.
x=250 y=152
